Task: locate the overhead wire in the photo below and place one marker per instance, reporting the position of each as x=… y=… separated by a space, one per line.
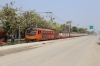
x=60 y=18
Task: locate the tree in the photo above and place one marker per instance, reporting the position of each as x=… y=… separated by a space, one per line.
x=8 y=18
x=82 y=30
x=74 y=29
x=32 y=19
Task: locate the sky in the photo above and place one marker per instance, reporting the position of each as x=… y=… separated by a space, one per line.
x=82 y=13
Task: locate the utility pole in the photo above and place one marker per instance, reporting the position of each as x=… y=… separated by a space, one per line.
x=78 y=29
x=69 y=23
x=19 y=30
x=70 y=29
x=19 y=34
x=19 y=37
x=51 y=19
x=51 y=22
x=49 y=16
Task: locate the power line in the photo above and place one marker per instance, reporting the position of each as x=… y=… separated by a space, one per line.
x=61 y=19
x=58 y=17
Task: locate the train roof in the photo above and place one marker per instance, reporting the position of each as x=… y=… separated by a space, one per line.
x=40 y=29
x=64 y=31
x=44 y=29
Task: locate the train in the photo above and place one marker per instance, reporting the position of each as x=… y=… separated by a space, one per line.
x=38 y=34
x=3 y=36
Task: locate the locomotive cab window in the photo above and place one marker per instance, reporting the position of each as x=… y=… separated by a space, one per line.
x=31 y=32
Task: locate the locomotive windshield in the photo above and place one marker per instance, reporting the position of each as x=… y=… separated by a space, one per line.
x=31 y=32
